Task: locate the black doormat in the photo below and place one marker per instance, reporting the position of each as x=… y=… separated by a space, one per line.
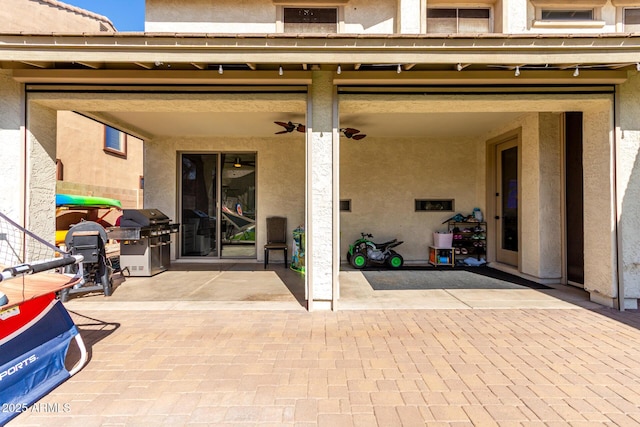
x=413 y=278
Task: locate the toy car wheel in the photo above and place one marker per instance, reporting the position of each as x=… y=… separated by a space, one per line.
x=359 y=260
x=395 y=260
x=349 y=257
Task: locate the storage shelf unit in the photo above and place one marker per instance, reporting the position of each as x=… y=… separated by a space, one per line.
x=469 y=238
x=441 y=256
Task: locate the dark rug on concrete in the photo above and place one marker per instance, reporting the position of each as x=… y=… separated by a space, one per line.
x=446 y=278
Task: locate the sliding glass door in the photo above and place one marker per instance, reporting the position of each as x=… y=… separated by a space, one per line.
x=238 y=205
x=218 y=204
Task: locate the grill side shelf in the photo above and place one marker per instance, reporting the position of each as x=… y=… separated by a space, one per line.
x=124 y=233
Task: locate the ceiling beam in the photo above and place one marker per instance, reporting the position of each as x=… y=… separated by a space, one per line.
x=161 y=77
x=92 y=65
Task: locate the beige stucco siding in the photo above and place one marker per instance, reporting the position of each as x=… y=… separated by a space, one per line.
x=41 y=173
x=280 y=175
x=48 y=16
x=12 y=146
x=226 y=16
x=382 y=177
x=80 y=146
x=628 y=169
x=257 y=16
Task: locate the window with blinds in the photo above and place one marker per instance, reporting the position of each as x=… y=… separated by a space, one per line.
x=459 y=20
x=310 y=20
x=567 y=15
x=632 y=20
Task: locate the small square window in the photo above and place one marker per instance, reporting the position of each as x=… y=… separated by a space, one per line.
x=115 y=141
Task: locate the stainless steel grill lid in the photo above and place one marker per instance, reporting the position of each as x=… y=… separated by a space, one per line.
x=142 y=218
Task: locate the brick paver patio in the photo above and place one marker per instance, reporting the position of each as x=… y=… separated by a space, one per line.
x=473 y=367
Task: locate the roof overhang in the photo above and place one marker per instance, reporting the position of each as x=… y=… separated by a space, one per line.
x=125 y=58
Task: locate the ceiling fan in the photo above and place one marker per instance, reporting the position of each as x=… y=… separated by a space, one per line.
x=291 y=126
x=352 y=133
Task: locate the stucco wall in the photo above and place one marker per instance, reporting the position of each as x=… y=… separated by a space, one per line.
x=47 y=16
x=280 y=176
x=12 y=146
x=80 y=147
x=41 y=173
x=383 y=177
x=540 y=200
x=628 y=169
x=256 y=16
x=600 y=263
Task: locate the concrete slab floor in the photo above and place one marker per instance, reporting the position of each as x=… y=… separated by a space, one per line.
x=249 y=286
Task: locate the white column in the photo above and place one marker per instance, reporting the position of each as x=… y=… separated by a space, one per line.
x=514 y=16
x=600 y=260
x=321 y=194
x=410 y=16
x=628 y=190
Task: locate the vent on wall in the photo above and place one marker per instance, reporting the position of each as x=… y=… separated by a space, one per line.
x=429 y=205
x=345 y=205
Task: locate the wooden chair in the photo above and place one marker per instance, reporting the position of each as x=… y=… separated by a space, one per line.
x=276 y=238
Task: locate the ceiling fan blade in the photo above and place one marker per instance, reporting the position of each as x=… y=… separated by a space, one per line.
x=301 y=128
x=283 y=124
x=359 y=136
x=352 y=131
x=282 y=131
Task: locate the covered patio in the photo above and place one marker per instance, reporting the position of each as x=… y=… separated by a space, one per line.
x=247 y=286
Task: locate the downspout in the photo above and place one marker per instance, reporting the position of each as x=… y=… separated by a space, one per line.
x=618 y=233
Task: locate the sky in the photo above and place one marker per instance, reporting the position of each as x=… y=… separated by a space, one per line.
x=126 y=15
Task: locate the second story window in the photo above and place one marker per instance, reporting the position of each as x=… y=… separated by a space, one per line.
x=310 y=20
x=567 y=14
x=632 y=20
x=115 y=142
x=458 y=20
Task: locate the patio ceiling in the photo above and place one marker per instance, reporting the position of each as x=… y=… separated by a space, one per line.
x=189 y=60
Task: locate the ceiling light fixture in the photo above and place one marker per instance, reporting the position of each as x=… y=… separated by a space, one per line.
x=637 y=66
x=220 y=69
x=280 y=71
x=399 y=69
x=517 y=73
x=237 y=163
x=576 y=72
x=339 y=71
x=459 y=67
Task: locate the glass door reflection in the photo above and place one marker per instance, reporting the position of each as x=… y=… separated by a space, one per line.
x=199 y=197
x=238 y=205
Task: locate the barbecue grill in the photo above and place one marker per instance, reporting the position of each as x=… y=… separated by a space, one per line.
x=145 y=239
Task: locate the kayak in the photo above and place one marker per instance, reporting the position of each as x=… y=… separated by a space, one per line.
x=75 y=201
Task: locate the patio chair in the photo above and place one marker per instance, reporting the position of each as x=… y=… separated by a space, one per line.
x=276 y=238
